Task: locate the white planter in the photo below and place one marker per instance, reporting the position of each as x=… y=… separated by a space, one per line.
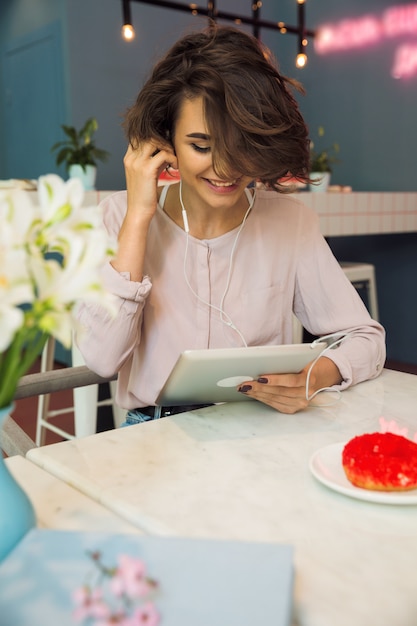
x=321 y=181
x=87 y=177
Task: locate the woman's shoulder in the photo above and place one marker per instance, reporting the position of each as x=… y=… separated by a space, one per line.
x=284 y=213
x=115 y=201
x=281 y=203
x=114 y=207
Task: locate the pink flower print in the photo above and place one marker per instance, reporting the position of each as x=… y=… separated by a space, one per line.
x=89 y=603
x=130 y=578
x=145 y=615
x=113 y=602
x=115 y=619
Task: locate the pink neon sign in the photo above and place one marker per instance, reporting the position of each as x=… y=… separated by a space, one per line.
x=369 y=30
x=400 y=21
x=405 y=62
x=347 y=34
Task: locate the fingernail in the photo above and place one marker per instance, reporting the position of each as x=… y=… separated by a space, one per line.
x=262 y=379
x=245 y=388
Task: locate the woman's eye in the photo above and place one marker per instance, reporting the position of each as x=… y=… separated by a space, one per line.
x=198 y=148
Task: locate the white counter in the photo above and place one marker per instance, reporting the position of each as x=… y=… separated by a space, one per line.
x=363 y=213
x=345 y=214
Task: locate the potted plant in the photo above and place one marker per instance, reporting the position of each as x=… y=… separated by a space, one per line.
x=79 y=152
x=321 y=164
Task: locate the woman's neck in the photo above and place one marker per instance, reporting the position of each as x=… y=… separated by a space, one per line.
x=204 y=222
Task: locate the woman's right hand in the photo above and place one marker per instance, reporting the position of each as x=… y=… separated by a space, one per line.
x=143 y=166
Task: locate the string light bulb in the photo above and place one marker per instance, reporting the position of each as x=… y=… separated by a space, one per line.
x=128 y=32
x=301 y=60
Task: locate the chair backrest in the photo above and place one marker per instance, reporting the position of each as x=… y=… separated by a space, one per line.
x=13 y=439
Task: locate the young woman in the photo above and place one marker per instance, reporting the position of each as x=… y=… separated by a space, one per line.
x=224 y=257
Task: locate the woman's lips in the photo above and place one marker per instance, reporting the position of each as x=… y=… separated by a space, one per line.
x=223 y=186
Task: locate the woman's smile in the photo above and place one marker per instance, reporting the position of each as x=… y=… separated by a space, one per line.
x=223 y=186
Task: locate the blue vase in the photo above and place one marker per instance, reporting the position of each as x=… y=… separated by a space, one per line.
x=17 y=515
x=87 y=176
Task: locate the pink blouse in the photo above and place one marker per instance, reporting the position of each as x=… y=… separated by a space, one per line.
x=281 y=264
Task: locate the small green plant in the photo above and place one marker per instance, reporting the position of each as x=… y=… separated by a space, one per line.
x=79 y=148
x=321 y=161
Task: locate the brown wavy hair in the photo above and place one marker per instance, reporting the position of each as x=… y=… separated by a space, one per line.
x=253 y=119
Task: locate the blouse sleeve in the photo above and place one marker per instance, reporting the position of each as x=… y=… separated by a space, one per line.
x=106 y=341
x=326 y=302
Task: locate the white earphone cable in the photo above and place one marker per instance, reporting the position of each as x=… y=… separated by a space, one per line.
x=341 y=337
x=224 y=317
x=338 y=337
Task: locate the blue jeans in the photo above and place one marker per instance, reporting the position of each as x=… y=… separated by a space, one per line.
x=134 y=416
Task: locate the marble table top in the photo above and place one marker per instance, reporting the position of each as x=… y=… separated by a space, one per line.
x=241 y=471
x=58 y=505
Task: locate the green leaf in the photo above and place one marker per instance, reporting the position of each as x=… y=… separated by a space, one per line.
x=88 y=129
x=71 y=133
x=78 y=148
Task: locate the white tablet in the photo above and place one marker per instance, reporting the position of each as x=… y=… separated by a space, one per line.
x=209 y=376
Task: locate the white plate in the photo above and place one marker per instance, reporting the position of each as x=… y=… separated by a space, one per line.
x=326 y=466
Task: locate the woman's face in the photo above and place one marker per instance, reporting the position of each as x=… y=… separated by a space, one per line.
x=193 y=147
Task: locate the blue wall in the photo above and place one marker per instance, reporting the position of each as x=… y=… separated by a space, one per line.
x=395 y=260
x=352 y=94
x=371 y=114
x=373 y=118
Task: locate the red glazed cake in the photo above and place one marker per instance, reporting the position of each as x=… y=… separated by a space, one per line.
x=381 y=462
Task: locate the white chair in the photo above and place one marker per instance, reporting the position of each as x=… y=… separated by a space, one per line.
x=363 y=274
x=360 y=275
x=85 y=402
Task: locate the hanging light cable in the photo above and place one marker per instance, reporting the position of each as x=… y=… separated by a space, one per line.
x=301 y=59
x=256 y=12
x=214 y=14
x=128 y=32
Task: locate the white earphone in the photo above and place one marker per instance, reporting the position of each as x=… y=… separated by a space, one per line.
x=336 y=339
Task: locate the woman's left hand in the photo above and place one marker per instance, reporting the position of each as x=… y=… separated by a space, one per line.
x=287 y=392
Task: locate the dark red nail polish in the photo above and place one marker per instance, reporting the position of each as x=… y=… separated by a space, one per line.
x=245 y=388
x=262 y=379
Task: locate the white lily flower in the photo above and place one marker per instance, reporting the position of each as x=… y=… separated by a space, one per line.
x=61 y=284
x=60 y=325
x=17 y=214
x=54 y=194
x=15 y=282
x=50 y=286
x=64 y=217
x=84 y=223
x=11 y=319
x=15 y=289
